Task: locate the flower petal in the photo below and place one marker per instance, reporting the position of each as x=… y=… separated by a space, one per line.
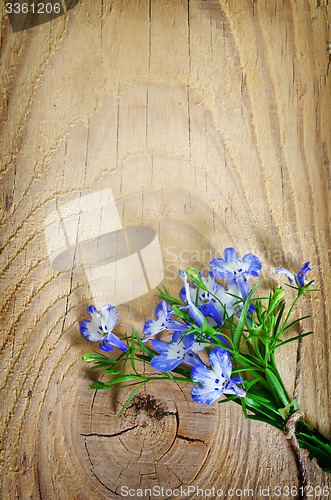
x=220 y=361
x=116 y=342
x=194 y=312
x=203 y=394
x=177 y=336
x=109 y=317
x=90 y=331
x=212 y=310
x=161 y=347
x=152 y=327
x=289 y=274
x=230 y=255
x=252 y=264
x=188 y=341
x=232 y=388
x=192 y=359
x=220 y=268
x=105 y=347
x=302 y=273
x=242 y=282
x=164 y=364
x=203 y=375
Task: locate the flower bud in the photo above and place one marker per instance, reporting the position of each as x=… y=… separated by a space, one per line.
x=278 y=295
x=193 y=275
x=276 y=298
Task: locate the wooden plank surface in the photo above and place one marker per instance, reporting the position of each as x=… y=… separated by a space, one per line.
x=210 y=122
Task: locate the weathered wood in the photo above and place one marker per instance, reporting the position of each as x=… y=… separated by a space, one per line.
x=210 y=122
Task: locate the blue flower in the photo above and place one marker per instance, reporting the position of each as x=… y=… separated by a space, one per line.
x=194 y=312
x=205 y=299
x=291 y=276
x=201 y=296
x=174 y=352
x=164 y=321
x=215 y=381
x=232 y=268
x=100 y=328
x=235 y=306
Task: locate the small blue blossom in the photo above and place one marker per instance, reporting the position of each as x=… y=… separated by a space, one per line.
x=232 y=268
x=215 y=381
x=100 y=328
x=206 y=301
x=194 y=312
x=164 y=321
x=234 y=289
x=174 y=352
x=291 y=276
x=200 y=296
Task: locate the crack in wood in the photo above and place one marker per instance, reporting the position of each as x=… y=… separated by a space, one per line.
x=190 y=439
x=91 y=434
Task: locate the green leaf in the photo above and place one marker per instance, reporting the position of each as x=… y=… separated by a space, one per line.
x=207 y=350
x=241 y=321
x=111 y=371
x=98 y=385
x=133 y=350
x=264 y=338
x=182 y=314
x=89 y=357
x=243 y=405
x=148 y=351
x=228 y=398
x=261 y=418
x=100 y=359
x=291 y=340
x=165 y=295
x=259 y=399
x=284 y=412
x=276 y=387
x=133 y=393
x=317 y=449
x=247 y=368
x=294 y=323
x=143 y=358
x=124 y=378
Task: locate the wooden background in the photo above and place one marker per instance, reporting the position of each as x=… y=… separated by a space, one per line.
x=210 y=122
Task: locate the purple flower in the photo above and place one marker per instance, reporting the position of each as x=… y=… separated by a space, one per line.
x=291 y=276
x=215 y=381
x=164 y=321
x=100 y=327
x=232 y=268
x=174 y=352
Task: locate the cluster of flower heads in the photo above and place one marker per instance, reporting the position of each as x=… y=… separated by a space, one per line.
x=209 y=305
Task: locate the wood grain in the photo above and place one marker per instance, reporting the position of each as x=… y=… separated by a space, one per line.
x=210 y=122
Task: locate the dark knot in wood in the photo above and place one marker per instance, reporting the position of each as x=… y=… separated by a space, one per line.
x=147 y=405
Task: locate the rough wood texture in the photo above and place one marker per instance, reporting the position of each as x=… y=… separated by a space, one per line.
x=210 y=122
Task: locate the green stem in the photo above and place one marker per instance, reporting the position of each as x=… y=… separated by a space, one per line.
x=312 y=440
x=277 y=374
x=277 y=388
x=288 y=314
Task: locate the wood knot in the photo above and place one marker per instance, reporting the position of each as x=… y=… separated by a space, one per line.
x=149 y=405
x=9 y=203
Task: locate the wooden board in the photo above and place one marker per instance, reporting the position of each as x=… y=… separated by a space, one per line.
x=210 y=123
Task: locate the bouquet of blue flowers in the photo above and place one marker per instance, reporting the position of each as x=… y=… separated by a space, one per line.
x=235 y=330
